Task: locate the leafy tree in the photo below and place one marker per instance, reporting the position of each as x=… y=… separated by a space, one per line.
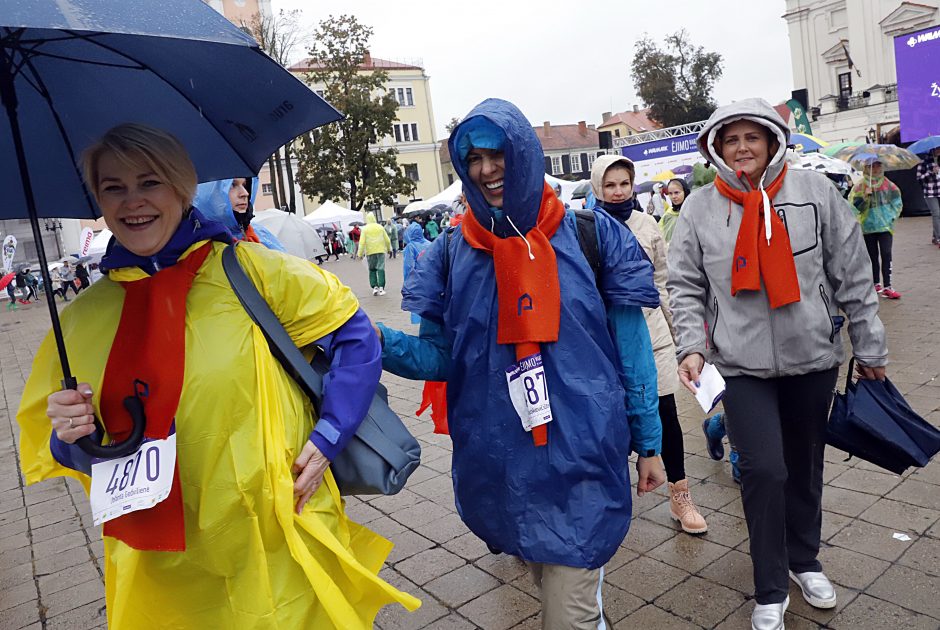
x=342 y=160
x=278 y=36
x=676 y=81
x=452 y=125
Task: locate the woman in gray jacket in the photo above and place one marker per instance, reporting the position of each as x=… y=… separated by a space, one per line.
x=760 y=265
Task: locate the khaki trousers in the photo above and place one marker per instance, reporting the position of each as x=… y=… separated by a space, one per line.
x=571 y=597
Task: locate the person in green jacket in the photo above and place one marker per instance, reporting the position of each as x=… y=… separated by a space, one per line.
x=877 y=205
x=391 y=228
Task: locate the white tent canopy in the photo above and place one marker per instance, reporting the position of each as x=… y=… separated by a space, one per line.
x=99 y=243
x=446 y=196
x=332 y=213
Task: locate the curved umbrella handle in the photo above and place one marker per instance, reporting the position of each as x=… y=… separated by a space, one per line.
x=135 y=407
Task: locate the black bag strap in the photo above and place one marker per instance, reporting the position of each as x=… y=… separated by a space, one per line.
x=587 y=238
x=848 y=375
x=282 y=346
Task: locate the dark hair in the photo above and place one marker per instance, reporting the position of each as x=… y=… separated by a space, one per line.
x=625 y=164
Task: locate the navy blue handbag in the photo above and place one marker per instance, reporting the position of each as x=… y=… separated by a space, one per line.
x=872 y=421
x=383 y=454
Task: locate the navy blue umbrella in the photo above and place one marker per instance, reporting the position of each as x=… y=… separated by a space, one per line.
x=72 y=69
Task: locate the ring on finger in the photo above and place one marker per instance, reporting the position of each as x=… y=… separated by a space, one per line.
x=71 y=423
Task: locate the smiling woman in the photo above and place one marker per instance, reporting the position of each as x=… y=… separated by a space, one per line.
x=234 y=507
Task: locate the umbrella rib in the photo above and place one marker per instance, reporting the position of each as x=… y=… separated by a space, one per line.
x=37 y=53
x=47 y=97
x=175 y=89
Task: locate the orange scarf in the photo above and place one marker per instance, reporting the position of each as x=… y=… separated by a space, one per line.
x=754 y=258
x=250 y=235
x=150 y=346
x=527 y=289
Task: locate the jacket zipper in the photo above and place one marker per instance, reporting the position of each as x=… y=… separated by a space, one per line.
x=832 y=325
x=773 y=340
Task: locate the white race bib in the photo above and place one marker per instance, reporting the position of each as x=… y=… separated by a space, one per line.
x=136 y=482
x=528 y=391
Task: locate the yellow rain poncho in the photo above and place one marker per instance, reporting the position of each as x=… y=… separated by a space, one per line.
x=250 y=560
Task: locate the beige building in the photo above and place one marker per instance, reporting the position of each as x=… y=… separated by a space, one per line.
x=842 y=53
x=241 y=12
x=413 y=133
x=628 y=123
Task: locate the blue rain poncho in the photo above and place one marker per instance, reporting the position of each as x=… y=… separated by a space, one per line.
x=213 y=202
x=569 y=502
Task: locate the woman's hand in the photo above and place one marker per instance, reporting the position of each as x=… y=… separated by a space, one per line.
x=650 y=474
x=71 y=413
x=870 y=373
x=689 y=371
x=310 y=466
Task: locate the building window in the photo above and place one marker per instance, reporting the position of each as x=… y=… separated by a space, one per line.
x=320 y=93
x=266 y=189
x=406 y=132
x=616 y=133
x=845 y=86
x=450 y=179
x=404 y=97
x=590 y=164
x=575 y=162
x=411 y=171
x=556 y=165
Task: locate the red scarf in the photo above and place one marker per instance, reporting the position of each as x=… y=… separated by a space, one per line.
x=527 y=289
x=754 y=258
x=150 y=346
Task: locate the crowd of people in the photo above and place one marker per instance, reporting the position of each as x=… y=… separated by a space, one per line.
x=562 y=339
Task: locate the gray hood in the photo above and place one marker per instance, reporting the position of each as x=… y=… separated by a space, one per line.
x=756 y=110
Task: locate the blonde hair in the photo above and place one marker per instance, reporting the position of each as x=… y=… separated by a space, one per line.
x=142 y=146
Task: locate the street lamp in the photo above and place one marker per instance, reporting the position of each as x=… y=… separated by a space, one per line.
x=54 y=226
x=872 y=135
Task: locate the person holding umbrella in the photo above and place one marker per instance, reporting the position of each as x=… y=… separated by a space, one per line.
x=877 y=204
x=761 y=263
x=928 y=174
x=253 y=530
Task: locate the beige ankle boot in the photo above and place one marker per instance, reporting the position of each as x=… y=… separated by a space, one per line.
x=683 y=510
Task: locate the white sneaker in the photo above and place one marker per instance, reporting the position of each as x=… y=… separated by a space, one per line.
x=817 y=589
x=769 y=616
x=381 y=290
x=375 y=290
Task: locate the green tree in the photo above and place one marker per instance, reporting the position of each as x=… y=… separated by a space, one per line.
x=342 y=160
x=676 y=81
x=449 y=127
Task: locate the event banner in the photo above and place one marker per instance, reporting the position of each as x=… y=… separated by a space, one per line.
x=917 y=58
x=84 y=241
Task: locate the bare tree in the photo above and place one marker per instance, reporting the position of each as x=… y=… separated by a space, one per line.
x=279 y=36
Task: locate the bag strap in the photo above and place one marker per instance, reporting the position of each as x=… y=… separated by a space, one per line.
x=587 y=239
x=281 y=345
x=848 y=375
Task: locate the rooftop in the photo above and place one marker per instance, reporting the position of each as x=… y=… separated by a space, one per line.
x=636 y=119
x=368 y=63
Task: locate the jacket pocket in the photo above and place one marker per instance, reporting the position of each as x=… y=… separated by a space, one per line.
x=713 y=329
x=832 y=325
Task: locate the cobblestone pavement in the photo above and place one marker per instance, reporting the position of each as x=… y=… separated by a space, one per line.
x=50 y=553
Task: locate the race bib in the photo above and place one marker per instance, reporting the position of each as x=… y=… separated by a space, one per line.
x=136 y=482
x=528 y=391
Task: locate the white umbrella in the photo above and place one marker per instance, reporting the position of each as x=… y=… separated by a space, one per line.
x=822 y=163
x=298 y=237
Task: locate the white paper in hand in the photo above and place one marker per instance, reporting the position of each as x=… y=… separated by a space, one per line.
x=711 y=388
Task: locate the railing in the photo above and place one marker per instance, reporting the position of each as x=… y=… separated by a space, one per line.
x=859 y=99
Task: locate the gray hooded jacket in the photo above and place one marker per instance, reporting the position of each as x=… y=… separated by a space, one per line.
x=742 y=335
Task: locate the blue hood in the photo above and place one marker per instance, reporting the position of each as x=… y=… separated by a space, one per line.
x=414 y=234
x=525 y=167
x=213 y=202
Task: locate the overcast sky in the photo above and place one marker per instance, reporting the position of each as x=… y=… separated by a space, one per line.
x=564 y=61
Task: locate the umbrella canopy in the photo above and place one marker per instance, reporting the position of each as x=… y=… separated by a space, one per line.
x=72 y=69
x=803 y=142
x=833 y=148
x=823 y=164
x=296 y=235
x=893 y=157
x=5 y=280
x=663 y=176
x=925 y=145
x=683 y=169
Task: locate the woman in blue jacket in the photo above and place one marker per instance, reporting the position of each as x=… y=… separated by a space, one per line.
x=550 y=374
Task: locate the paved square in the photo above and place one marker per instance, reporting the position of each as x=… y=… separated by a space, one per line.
x=51 y=554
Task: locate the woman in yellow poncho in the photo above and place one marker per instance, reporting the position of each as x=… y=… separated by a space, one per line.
x=239 y=542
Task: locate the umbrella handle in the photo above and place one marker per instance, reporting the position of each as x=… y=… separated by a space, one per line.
x=135 y=407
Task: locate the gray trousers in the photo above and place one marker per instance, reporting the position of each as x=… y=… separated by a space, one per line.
x=778 y=426
x=934 y=204
x=571 y=597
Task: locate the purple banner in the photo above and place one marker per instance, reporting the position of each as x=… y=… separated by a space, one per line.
x=917 y=58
